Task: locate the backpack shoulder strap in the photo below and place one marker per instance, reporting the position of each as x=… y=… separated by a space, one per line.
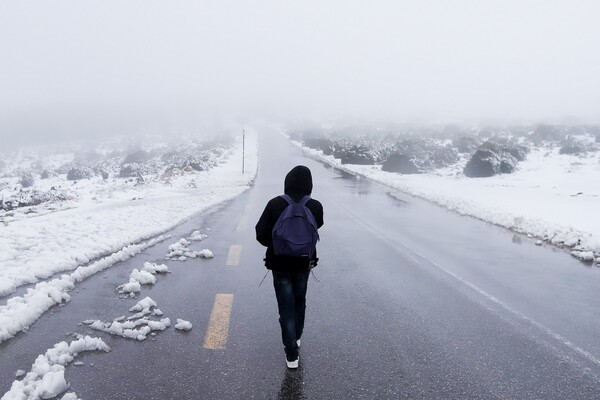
x=287 y=198
x=304 y=200
x=291 y=201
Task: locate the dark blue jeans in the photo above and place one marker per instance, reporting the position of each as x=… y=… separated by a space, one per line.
x=290 y=289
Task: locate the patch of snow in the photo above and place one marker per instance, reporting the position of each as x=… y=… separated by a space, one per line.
x=145 y=304
x=137 y=326
x=154 y=268
x=129 y=287
x=586 y=256
x=180 y=251
x=143 y=277
x=205 y=253
x=47 y=377
x=183 y=325
x=198 y=236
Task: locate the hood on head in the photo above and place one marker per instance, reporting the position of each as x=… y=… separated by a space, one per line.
x=298 y=181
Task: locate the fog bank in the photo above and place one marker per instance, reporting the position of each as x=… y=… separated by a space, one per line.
x=87 y=68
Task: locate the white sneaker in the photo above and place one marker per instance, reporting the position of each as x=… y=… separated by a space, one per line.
x=298 y=343
x=292 y=364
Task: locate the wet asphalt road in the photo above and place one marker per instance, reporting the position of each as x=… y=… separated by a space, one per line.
x=413 y=302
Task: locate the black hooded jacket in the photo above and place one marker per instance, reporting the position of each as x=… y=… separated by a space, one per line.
x=298 y=183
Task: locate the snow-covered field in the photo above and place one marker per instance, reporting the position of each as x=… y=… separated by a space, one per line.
x=552 y=197
x=109 y=215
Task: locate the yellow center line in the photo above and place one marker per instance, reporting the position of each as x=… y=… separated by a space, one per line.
x=235 y=251
x=218 y=326
x=242 y=225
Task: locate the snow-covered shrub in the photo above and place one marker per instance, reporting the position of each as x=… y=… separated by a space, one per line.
x=198 y=160
x=47 y=174
x=579 y=145
x=519 y=152
x=27 y=180
x=355 y=154
x=327 y=146
x=572 y=147
x=427 y=154
x=466 y=144
x=139 y=157
x=577 y=130
x=33 y=197
x=547 y=133
x=78 y=173
x=130 y=171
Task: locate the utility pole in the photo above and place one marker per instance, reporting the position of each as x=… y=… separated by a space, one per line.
x=243 y=149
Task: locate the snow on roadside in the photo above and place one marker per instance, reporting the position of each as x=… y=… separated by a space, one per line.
x=47 y=376
x=552 y=197
x=198 y=236
x=179 y=251
x=155 y=268
x=22 y=311
x=145 y=276
x=37 y=248
x=183 y=325
x=137 y=326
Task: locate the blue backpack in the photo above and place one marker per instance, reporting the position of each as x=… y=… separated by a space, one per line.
x=295 y=232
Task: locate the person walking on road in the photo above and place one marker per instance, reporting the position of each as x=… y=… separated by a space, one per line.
x=288 y=228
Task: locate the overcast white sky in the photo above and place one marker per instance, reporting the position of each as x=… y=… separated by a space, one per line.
x=396 y=60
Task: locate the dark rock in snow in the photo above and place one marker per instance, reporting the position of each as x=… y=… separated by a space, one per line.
x=104 y=174
x=78 y=173
x=483 y=163
x=491 y=159
x=400 y=163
